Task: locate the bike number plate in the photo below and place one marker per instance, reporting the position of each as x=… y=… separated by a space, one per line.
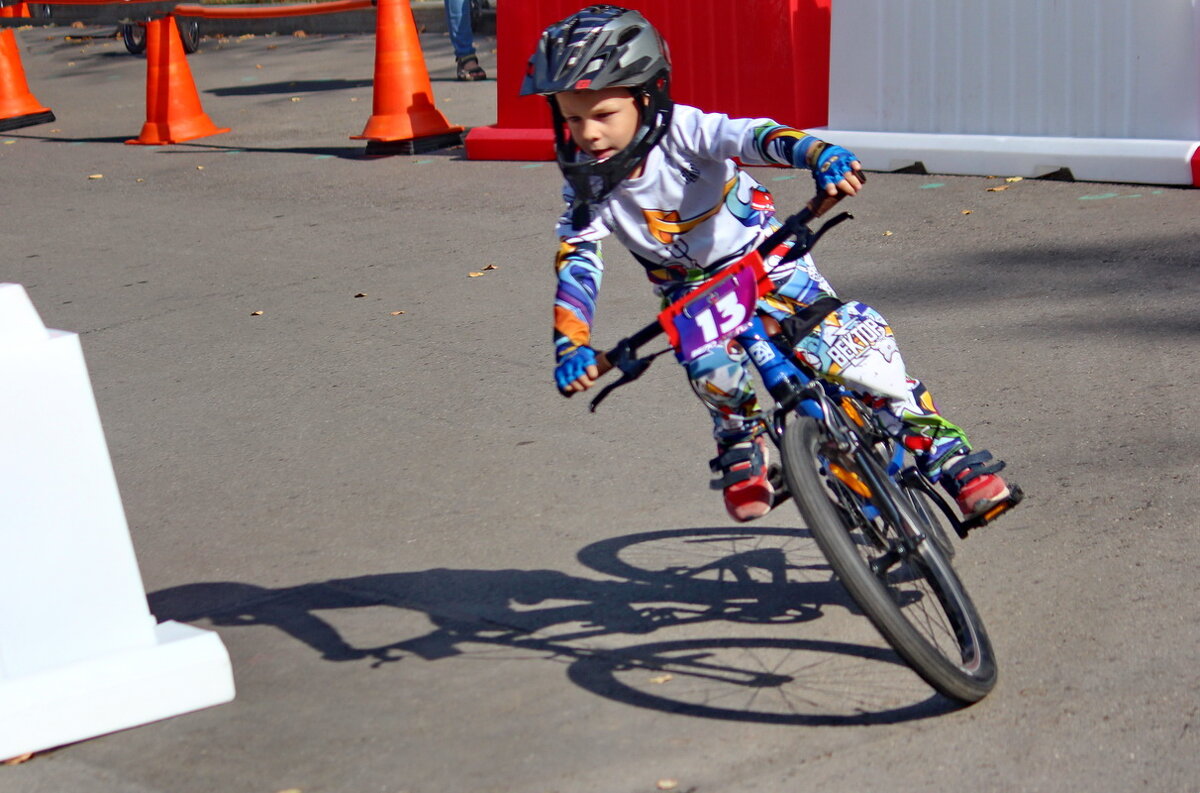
x=700 y=321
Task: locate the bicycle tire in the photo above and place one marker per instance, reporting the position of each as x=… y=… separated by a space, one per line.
x=918 y=604
x=931 y=512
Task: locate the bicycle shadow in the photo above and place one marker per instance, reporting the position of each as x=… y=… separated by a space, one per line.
x=762 y=579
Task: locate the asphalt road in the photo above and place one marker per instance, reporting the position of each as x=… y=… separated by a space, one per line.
x=434 y=574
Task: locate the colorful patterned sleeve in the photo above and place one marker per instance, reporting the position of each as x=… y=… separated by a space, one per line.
x=754 y=141
x=579 y=269
x=781 y=145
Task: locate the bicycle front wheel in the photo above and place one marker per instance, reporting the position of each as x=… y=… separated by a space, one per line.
x=906 y=586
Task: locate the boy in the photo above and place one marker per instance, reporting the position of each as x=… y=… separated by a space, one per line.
x=661 y=177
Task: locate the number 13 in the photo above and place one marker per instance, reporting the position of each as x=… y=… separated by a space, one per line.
x=732 y=313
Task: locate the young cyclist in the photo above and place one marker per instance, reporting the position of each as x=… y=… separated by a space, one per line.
x=661 y=177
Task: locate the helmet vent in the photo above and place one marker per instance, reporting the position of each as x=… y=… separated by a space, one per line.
x=629 y=34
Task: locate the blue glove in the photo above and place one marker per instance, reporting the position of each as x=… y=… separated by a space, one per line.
x=573 y=366
x=832 y=164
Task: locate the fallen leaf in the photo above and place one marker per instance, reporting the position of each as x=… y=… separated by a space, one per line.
x=258 y=66
x=1015 y=179
x=997 y=188
x=474 y=275
x=967 y=211
x=256 y=313
x=96 y=176
x=141 y=180
x=397 y=313
x=9 y=142
x=21 y=758
x=663 y=678
x=295 y=99
x=300 y=34
x=78 y=25
x=272 y=47
x=887 y=233
x=199 y=167
x=491 y=267
x=291 y=790
x=361 y=294
x=667 y=784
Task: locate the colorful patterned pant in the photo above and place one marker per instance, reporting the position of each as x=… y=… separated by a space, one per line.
x=854 y=346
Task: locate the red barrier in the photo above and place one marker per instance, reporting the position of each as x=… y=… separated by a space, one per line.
x=746 y=58
x=268 y=11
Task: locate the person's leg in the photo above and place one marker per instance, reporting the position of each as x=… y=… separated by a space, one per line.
x=462 y=38
x=723 y=383
x=458 y=21
x=856 y=346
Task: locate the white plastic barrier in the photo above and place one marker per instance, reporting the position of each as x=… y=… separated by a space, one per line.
x=1109 y=89
x=80 y=653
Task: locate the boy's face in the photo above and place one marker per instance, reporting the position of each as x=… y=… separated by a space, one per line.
x=602 y=122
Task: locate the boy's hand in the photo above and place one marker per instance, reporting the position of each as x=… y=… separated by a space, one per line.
x=837 y=171
x=577 y=370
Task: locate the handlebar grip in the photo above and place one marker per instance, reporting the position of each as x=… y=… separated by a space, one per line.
x=822 y=203
x=602 y=363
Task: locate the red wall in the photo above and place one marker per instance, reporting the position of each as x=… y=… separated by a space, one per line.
x=740 y=57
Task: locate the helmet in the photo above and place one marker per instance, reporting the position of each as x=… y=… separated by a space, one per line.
x=603 y=46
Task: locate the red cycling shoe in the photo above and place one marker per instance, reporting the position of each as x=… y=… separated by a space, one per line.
x=975 y=486
x=748 y=492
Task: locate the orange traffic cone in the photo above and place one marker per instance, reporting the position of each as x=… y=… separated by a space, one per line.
x=173 y=112
x=15 y=11
x=404 y=119
x=18 y=108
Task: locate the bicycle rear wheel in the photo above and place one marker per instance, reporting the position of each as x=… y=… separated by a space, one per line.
x=907 y=588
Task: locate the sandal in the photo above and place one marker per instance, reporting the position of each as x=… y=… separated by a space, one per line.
x=469 y=69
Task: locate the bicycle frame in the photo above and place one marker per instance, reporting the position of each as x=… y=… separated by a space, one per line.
x=795 y=388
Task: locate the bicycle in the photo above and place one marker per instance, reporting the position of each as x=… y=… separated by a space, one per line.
x=876 y=517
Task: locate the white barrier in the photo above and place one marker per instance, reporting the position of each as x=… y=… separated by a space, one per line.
x=80 y=653
x=1109 y=89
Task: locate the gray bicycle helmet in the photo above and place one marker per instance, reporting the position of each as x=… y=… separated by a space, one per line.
x=602 y=46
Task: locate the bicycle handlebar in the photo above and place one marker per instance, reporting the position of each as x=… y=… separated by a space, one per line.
x=816 y=207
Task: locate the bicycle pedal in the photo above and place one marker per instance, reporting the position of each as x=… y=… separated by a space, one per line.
x=1015 y=496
